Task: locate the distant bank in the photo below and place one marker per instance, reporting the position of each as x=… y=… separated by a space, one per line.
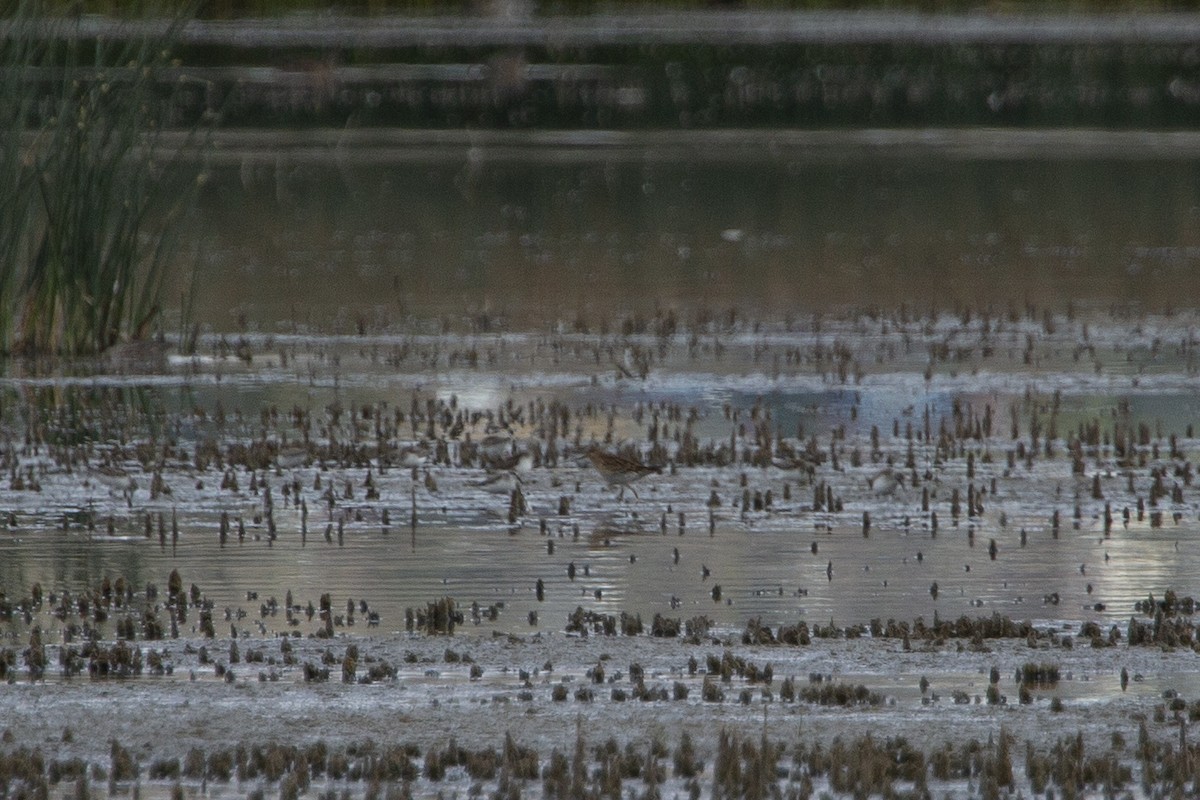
x=693 y=70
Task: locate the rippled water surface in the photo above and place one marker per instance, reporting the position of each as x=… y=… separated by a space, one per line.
x=582 y=229
x=821 y=293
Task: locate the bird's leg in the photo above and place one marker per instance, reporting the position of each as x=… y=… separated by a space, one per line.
x=621 y=494
x=635 y=494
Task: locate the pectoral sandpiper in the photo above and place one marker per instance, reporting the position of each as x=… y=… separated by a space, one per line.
x=499 y=483
x=118 y=480
x=885 y=482
x=619 y=471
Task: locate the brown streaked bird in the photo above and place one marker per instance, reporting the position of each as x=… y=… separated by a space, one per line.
x=118 y=480
x=886 y=481
x=619 y=471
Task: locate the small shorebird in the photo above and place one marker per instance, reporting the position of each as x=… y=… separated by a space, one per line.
x=496 y=445
x=619 y=471
x=521 y=463
x=118 y=480
x=499 y=483
x=886 y=481
x=291 y=456
x=414 y=455
x=796 y=459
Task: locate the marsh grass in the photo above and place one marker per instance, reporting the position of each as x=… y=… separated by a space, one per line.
x=86 y=233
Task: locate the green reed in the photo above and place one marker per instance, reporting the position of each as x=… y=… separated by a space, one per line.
x=86 y=235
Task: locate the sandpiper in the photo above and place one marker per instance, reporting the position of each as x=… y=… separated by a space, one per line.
x=496 y=445
x=886 y=481
x=291 y=456
x=619 y=471
x=499 y=483
x=414 y=455
x=521 y=463
x=118 y=480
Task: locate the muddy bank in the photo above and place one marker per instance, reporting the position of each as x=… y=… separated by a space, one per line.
x=442 y=721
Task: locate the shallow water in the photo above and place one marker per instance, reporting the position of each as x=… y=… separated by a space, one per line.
x=634 y=555
x=883 y=303
x=762 y=573
x=484 y=231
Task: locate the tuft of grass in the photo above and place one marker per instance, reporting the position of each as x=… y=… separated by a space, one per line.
x=87 y=230
x=1036 y=674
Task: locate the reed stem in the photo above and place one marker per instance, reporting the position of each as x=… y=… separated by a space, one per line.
x=87 y=233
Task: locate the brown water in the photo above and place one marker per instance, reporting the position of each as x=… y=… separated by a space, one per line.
x=582 y=229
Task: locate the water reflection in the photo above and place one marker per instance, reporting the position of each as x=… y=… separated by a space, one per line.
x=482 y=238
x=768 y=572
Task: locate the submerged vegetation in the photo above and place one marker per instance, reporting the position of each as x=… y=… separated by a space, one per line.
x=393 y=473
x=91 y=197
x=848 y=766
x=759 y=752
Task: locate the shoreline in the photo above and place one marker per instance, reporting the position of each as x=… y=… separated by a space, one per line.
x=398 y=145
x=730 y=71
x=690 y=27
